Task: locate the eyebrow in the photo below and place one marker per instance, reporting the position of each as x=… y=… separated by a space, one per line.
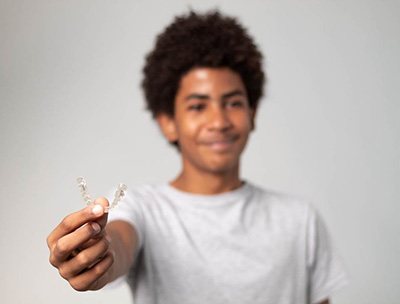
x=224 y=96
x=233 y=93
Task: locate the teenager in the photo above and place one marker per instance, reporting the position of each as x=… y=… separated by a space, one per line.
x=208 y=235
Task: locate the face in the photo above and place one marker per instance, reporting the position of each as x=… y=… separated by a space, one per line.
x=212 y=120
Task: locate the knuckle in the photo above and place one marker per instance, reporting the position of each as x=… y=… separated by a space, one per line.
x=66 y=224
x=61 y=247
x=78 y=286
x=83 y=259
x=99 y=270
x=64 y=273
x=53 y=261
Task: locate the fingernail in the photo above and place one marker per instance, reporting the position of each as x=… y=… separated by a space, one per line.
x=97 y=210
x=96 y=227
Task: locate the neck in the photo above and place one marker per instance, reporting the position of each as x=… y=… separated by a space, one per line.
x=195 y=181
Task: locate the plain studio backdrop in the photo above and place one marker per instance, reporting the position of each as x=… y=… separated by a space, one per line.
x=327 y=129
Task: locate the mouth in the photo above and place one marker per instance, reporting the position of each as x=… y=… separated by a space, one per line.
x=221 y=145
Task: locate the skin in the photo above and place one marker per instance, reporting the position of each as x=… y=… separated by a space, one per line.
x=84 y=250
x=212 y=123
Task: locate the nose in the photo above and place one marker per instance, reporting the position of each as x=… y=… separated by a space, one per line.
x=219 y=119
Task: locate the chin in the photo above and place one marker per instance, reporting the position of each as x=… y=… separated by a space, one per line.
x=223 y=166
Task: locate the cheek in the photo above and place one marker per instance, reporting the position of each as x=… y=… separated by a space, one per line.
x=187 y=128
x=243 y=122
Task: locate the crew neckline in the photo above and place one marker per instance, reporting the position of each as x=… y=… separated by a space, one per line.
x=220 y=199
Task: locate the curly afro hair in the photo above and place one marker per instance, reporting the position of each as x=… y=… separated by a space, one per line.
x=200 y=40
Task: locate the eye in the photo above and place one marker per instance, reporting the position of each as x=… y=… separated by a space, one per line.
x=235 y=104
x=196 y=107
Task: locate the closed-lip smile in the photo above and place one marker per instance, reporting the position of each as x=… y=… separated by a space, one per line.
x=220 y=144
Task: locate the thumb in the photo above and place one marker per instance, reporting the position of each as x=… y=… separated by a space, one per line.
x=103 y=202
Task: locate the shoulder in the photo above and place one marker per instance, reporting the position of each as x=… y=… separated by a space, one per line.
x=284 y=206
x=280 y=199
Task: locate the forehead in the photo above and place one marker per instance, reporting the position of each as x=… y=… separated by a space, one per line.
x=210 y=80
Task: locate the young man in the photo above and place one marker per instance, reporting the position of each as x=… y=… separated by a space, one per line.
x=208 y=236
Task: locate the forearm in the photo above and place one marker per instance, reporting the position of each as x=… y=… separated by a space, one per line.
x=123 y=242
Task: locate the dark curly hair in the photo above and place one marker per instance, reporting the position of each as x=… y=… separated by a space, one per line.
x=200 y=40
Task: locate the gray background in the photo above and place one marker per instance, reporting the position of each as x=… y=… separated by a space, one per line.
x=327 y=129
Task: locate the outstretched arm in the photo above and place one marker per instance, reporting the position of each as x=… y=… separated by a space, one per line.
x=123 y=241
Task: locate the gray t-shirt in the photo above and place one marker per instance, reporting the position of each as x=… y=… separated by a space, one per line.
x=245 y=246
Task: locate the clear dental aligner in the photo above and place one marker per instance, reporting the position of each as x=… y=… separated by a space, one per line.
x=119 y=193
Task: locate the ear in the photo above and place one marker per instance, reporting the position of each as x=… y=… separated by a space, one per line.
x=168 y=127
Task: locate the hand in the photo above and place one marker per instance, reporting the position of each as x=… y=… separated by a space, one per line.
x=80 y=249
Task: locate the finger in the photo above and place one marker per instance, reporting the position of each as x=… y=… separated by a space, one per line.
x=87 y=280
x=73 y=221
x=100 y=282
x=93 y=240
x=84 y=259
x=102 y=220
x=66 y=245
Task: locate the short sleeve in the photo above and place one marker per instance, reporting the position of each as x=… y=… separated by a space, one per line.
x=325 y=267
